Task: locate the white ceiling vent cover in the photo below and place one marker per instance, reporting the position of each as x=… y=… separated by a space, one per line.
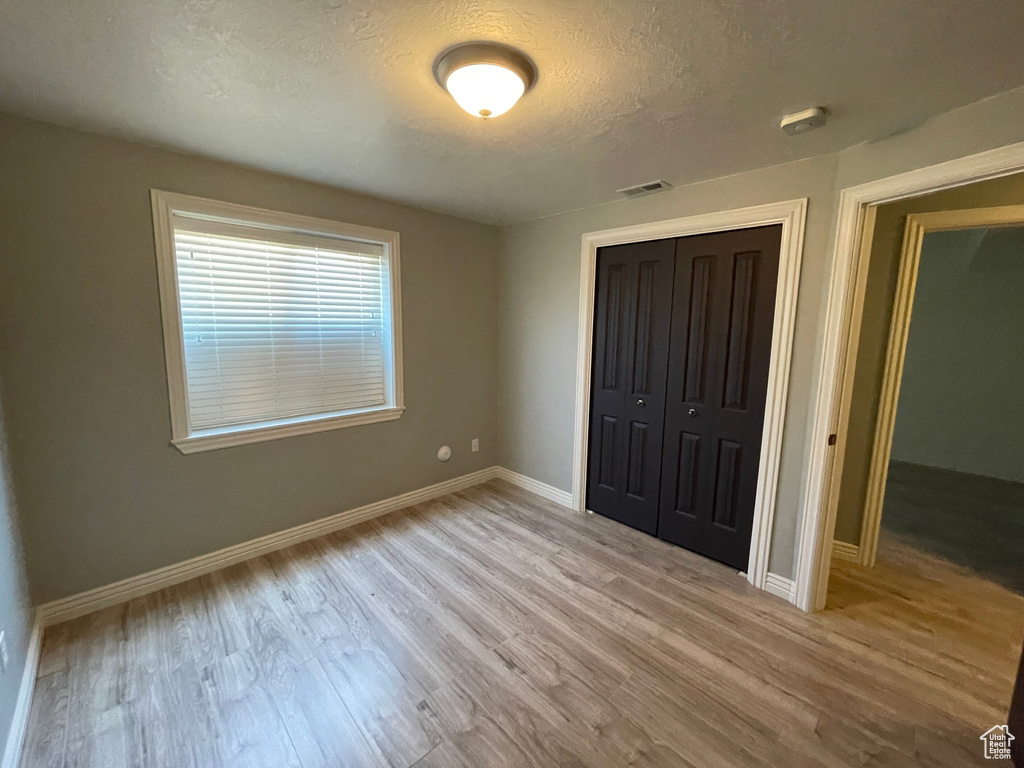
x=644 y=189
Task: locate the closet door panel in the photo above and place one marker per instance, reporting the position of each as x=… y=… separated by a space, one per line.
x=722 y=322
x=633 y=307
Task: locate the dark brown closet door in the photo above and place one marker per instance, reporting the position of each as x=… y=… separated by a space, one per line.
x=633 y=310
x=717 y=383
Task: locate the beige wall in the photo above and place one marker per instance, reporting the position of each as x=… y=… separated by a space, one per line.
x=15 y=607
x=103 y=494
x=874 y=336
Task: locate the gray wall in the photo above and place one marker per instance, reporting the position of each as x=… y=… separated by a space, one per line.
x=15 y=608
x=880 y=291
x=540 y=291
x=987 y=124
x=959 y=404
x=984 y=125
x=539 y=317
x=103 y=494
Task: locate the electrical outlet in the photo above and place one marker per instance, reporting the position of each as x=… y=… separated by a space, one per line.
x=476 y=444
x=3 y=653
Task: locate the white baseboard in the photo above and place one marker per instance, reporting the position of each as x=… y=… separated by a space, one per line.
x=92 y=600
x=549 y=492
x=780 y=586
x=23 y=706
x=102 y=597
x=843 y=551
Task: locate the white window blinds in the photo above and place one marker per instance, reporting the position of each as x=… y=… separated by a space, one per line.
x=278 y=325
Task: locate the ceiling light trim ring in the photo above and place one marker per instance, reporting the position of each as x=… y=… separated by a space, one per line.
x=482 y=52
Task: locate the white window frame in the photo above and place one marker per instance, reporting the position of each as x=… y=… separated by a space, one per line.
x=166 y=205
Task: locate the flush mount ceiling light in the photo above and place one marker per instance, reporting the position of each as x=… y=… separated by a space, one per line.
x=485 y=79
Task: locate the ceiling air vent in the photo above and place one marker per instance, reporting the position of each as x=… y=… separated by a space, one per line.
x=644 y=189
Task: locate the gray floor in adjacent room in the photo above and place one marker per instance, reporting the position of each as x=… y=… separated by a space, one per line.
x=976 y=522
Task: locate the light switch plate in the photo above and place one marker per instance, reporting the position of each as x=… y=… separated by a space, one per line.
x=3 y=653
x=476 y=444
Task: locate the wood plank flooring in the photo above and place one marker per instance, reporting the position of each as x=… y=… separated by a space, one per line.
x=492 y=628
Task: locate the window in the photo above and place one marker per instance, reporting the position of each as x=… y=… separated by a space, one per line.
x=274 y=325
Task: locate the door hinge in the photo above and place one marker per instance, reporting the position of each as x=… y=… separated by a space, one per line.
x=832 y=439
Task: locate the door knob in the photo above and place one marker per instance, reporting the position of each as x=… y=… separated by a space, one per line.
x=692 y=411
x=641 y=402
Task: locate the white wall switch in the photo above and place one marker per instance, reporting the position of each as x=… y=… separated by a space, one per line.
x=3 y=653
x=476 y=444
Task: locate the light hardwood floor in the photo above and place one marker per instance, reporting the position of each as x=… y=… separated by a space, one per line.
x=492 y=628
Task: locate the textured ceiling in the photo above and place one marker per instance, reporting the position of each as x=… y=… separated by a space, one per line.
x=341 y=92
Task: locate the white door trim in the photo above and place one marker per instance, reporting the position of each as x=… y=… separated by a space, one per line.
x=918 y=224
x=792 y=215
x=844 y=309
x=11 y=757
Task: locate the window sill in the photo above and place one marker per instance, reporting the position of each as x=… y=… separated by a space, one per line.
x=226 y=437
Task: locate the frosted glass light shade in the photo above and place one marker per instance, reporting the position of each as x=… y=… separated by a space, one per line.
x=485 y=90
x=485 y=79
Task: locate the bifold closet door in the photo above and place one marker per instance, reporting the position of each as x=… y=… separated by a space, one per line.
x=722 y=323
x=633 y=310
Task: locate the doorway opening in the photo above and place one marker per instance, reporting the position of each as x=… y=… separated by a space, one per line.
x=951 y=373
x=929 y=503
x=844 y=315
x=945 y=461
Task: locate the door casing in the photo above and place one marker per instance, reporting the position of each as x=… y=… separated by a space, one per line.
x=792 y=215
x=844 y=308
x=917 y=226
